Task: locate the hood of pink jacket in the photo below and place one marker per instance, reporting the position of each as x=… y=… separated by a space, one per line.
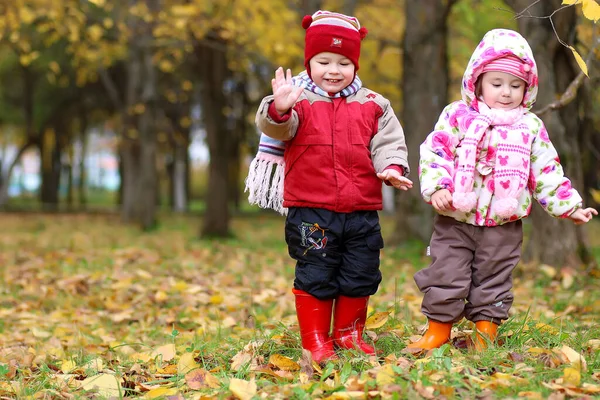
x=495 y=44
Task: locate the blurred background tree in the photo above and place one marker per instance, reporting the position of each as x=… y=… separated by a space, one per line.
x=144 y=106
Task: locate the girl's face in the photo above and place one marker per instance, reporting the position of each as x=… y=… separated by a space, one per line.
x=331 y=72
x=502 y=90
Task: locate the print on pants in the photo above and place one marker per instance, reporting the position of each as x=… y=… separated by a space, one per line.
x=313 y=236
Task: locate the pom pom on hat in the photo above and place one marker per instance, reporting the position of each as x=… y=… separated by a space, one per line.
x=363 y=33
x=331 y=32
x=306 y=21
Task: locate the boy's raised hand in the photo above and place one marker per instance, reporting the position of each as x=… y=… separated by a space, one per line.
x=395 y=179
x=583 y=215
x=285 y=94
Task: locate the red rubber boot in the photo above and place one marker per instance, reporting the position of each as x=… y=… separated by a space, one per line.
x=349 y=322
x=314 y=319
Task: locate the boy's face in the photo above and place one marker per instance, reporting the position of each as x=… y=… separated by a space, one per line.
x=502 y=90
x=331 y=72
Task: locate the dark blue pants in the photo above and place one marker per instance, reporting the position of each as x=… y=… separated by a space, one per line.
x=336 y=253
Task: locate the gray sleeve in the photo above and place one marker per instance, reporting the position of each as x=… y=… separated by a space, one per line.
x=388 y=146
x=276 y=130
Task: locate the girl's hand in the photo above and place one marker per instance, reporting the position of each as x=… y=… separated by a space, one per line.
x=395 y=179
x=583 y=215
x=442 y=200
x=284 y=92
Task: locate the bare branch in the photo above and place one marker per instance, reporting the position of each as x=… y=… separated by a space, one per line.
x=111 y=88
x=571 y=91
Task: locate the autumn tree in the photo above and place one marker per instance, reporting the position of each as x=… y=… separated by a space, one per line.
x=555 y=241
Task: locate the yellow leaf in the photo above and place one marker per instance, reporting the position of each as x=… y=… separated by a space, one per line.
x=243 y=390
x=139 y=108
x=571 y=376
x=186 y=363
x=284 y=363
x=576 y=359
x=169 y=369
x=166 y=352
x=95 y=32
x=108 y=23
x=591 y=10
x=595 y=195
x=166 y=66
x=67 y=366
x=54 y=67
x=160 y=393
x=580 y=61
x=201 y=379
x=99 y=3
x=161 y=296
x=40 y=333
x=187 y=85
x=544 y=328
x=105 y=385
x=377 y=320
x=385 y=375
x=570 y=2
x=27 y=15
x=217 y=298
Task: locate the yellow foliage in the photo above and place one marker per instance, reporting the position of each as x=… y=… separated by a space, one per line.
x=590 y=8
x=377 y=320
x=95 y=32
x=580 y=61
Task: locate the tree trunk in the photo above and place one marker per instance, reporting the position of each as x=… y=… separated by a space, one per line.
x=148 y=188
x=178 y=178
x=130 y=153
x=6 y=177
x=425 y=88
x=50 y=154
x=82 y=172
x=214 y=70
x=554 y=241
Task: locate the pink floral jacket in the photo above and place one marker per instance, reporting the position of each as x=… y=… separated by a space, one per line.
x=438 y=162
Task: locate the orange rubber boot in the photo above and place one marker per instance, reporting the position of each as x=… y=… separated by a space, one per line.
x=487 y=332
x=314 y=319
x=349 y=322
x=438 y=333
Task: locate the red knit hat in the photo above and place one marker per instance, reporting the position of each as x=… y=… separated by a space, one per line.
x=332 y=32
x=510 y=64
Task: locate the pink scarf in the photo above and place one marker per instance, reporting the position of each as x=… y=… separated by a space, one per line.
x=511 y=169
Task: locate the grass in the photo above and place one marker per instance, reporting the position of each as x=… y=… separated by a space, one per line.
x=82 y=289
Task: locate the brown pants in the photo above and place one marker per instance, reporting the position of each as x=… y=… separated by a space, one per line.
x=471 y=271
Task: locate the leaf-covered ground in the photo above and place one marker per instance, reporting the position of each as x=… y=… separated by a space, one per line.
x=90 y=308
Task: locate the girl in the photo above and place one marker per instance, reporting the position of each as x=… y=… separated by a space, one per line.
x=479 y=169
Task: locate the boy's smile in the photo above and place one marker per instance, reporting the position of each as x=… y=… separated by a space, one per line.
x=331 y=72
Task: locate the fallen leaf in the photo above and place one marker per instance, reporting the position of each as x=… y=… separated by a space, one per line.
x=201 y=379
x=576 y=359
x=166 y=352
x=377 y=320
x=571 y=376
x=385 y=375
x=284 y=363
x=104 y=384
x=186 y=363
x=243 y=390
x=161 y=392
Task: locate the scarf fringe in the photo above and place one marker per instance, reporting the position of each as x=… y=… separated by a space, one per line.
x=264 y=183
